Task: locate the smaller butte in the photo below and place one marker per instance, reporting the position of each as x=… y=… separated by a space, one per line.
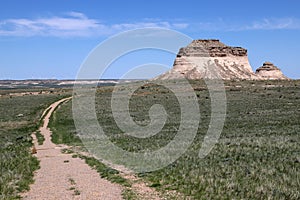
x=270 y=71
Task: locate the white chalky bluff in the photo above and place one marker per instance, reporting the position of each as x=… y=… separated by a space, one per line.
x=229 y=62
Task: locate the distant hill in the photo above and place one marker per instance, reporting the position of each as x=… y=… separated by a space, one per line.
x=52 y=83
x=209 y=59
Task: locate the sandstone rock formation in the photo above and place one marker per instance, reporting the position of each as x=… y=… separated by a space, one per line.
x=209 y=59
x=270 y=71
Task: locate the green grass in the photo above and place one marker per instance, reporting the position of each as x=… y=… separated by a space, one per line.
x=257 y=156
x=105 y=171
x=16 y=162
x=40 y=137
x=76 y=192
x=128 y=194
x=72 y=181
x=62 y=126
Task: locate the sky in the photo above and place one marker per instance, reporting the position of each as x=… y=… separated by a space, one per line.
x=51 y=39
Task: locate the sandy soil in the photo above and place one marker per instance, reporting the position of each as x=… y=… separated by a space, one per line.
x=64 y=177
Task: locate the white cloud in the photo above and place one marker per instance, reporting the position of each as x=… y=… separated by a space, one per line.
x=264 y=24
x=275 y=24
x=74 y=24
x=76 y=14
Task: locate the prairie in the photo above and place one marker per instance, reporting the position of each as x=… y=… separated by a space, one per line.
x=256 y=157
x=20 y=116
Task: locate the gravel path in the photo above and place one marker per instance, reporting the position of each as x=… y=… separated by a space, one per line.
x=64 y=177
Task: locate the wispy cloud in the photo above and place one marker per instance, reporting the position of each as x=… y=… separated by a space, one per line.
x=275 y=24
x=74 y=24
x=263 y=24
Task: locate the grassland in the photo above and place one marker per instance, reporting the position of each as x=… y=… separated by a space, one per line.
x=257 y=156
x=19 y=117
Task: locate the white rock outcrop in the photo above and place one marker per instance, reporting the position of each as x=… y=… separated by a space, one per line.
x=270 y=71
x=209 y=59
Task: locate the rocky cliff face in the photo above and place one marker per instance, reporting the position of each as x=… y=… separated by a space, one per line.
x=270 y=71
x=212 y=59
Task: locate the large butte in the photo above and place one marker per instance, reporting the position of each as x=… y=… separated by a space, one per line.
x=210 y=58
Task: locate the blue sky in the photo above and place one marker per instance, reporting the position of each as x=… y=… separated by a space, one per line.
x=50 y=39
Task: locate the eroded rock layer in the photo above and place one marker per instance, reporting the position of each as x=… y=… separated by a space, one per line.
x=208 y=59
x=270 y=71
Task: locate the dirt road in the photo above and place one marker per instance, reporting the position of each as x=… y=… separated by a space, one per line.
x=64 y=177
